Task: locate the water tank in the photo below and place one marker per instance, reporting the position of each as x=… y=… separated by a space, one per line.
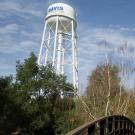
x=65 y=12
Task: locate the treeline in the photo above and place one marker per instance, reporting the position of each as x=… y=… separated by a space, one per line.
x=31 y=103
x=105 y=94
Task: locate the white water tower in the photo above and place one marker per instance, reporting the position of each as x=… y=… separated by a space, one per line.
x=59 y=41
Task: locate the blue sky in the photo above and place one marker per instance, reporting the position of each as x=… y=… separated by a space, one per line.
x=99 y=22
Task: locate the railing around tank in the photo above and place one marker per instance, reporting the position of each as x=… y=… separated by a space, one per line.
x=111 y=125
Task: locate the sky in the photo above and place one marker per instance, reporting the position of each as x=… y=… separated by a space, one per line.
x=104 y=27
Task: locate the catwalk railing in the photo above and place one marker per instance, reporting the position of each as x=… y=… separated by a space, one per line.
x=111 y=125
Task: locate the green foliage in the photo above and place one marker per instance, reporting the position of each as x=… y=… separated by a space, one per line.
x=32 y=104
x=9 y=111
x=27 y=71
x=69 y=121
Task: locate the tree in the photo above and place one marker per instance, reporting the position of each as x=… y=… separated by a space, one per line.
x=38 y=95
x=103 y=90
x=32 y=104
x=9 y=111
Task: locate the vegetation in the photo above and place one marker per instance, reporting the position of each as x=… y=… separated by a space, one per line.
x=31 y=104
x=106 y=96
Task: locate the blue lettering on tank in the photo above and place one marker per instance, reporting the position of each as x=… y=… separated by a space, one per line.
x=55 y=9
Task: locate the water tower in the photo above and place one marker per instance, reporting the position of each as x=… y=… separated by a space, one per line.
x=59 y=41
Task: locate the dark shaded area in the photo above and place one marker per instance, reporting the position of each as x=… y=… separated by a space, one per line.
x=31 y=104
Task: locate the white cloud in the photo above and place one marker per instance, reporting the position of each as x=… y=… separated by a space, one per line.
x=91 y=45
x=18 y=39
x=9 y=29
x=17 y=7
x=14 y=39
x=95 y=43
x=31 y=35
